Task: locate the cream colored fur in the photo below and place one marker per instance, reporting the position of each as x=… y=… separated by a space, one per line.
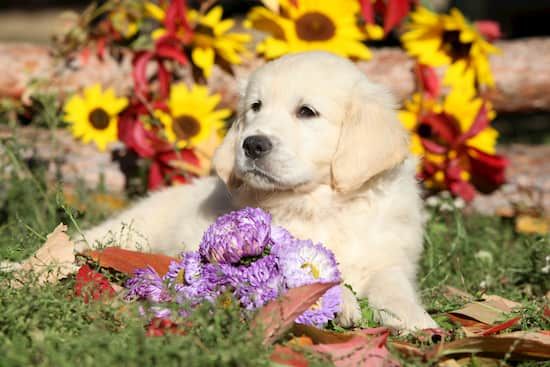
x=341 y=178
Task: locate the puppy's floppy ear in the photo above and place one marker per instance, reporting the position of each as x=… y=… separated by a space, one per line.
x=371 y=138
x=224 y=158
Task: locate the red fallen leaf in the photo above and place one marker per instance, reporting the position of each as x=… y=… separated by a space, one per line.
x=278 y=315
x=162 y=327
x=89 y=283
x=126 y=261
x=546 y=311
x=359 y=351
x=283 y=355
x=366 y=347
x=500 y=327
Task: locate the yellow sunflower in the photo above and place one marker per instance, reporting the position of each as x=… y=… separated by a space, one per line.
x=93 y=116
x=438 y=40
x=463 y=106
x=211 y=38
x=192 y=117
x=329 y=25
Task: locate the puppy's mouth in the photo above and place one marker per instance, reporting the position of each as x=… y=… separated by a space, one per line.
x=263 y=175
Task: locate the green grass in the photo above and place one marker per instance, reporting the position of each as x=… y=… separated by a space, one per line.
x=47 y=326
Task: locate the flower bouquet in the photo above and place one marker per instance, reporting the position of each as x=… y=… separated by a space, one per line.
x=245 y=256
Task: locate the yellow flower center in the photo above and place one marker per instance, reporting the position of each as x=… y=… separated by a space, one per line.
x=452 y=46
x=99 y=118
x=315 y=26
x=185 y=127
x=180 y=278
x=313 y=269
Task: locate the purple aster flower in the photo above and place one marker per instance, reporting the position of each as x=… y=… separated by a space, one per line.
x=185 y=278
x=236 y=235
x=303 y=262
x=324 y=309
x=147 y=285
x=257 y=283
x=214 y=281
x=184 y=272
x=280 y=238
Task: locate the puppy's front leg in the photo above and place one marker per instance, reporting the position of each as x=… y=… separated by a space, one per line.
x=393 y=294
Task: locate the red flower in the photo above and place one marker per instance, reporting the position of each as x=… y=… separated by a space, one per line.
x=90 y=283
x=167 y=48
x=465 y=168
x=392 y=11
x=162 y=327
x=147 y=144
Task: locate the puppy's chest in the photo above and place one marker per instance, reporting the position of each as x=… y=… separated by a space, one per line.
x=332 y=232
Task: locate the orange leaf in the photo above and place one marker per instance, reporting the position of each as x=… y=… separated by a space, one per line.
x=285 y=356
x=126 y=261
x=278 y=315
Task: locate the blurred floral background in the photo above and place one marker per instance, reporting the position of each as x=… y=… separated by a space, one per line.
x=154 y=83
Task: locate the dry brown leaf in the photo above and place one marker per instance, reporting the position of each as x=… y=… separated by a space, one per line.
x=450 y=291
x=490 y=310
x=529 y=335
x=532 y=225
x=501 y=346
x=55 y=259
x=467 y=361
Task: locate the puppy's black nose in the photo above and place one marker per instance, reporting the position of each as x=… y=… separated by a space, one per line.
x=257 y=146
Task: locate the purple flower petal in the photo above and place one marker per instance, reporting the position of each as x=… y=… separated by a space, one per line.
x=324 y=309
x=147 y=285
x=236 y=235
x=303 y=262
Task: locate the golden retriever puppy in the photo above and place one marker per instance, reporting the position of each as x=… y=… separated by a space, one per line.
x=319 y=146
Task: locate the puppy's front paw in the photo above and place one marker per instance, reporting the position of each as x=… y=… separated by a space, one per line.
x=350 y=313
x=410 y=318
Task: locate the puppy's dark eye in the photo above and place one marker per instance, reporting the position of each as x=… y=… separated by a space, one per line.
x=256 y=106
x=306 y=112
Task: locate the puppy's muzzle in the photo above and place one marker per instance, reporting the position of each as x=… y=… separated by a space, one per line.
x=257 y=146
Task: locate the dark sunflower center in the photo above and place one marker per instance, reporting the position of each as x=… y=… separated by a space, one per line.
x=453 y=47
x=185 y=127
x=99 y=118
x=315 y=26
x=424 y=130
x=204 y=29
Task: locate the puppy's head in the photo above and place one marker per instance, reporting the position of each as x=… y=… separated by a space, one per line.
x=308 y=119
